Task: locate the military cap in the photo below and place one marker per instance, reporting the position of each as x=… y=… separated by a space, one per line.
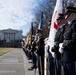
x=70 y=9
x=61 y=16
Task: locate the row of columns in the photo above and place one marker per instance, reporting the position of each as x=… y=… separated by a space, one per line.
x=9 y=36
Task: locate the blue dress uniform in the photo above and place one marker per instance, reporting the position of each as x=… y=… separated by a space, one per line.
x=69 y=46
x=50 y=63
x=50 y=58
x=69 y=43
x=58 y=39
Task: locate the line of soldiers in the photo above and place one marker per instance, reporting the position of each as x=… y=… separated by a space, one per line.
x=64 y=44
x=63 y=49
x=35 y=51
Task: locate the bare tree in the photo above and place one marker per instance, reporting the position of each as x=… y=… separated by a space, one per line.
x=47 y=7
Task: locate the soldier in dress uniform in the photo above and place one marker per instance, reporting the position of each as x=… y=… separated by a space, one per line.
x=50 y=58
x=59 y=39
x=40 y=51
x=69 y=43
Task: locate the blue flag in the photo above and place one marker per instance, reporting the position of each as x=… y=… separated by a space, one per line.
x=41 y=22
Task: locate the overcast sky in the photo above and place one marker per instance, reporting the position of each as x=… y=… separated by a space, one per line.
x=16 y=14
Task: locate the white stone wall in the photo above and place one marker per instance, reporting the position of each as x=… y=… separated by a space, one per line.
x=1 y=36
x=10 y=34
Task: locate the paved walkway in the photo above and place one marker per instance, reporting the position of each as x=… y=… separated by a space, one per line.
x=15 y=63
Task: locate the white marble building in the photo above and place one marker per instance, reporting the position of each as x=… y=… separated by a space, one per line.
x=10 y=35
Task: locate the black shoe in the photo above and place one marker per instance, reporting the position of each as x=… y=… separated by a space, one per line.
x=33 y=67
x=29 y=59
x=30 y=69
x=30 y=62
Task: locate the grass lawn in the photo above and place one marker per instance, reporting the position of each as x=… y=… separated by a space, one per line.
x=5 y=50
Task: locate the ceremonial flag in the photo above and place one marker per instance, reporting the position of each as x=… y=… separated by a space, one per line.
x=58 y=9
x=28 y=37
x=41 y=21
x=32 y=31
x=40 y=25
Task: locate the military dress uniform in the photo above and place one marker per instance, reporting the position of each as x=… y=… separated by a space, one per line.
x=58 y=40
x=69 y=45
x=50 y=62
x=40 y=52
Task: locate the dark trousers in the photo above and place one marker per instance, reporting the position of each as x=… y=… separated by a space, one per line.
x=29 y=55
x=41 y=65
x=34 y=60
x=23 y=50
x=26 y=52
x=58 y=67
x=69 y=68
x=50 y=64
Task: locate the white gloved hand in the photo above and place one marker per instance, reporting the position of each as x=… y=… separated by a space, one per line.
x=61 y=48
x=53 y=55
x=46 y=48
x=61 y=45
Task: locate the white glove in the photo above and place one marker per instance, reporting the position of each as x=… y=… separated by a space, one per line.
x=61 y=48
x=53 y=55
x=61 y=45
x=46 y=48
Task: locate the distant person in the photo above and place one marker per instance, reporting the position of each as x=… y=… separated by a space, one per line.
x=23 y=45
x=33 y=49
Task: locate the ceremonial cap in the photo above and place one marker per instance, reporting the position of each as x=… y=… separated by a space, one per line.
x=61 y=16
x=70 y=9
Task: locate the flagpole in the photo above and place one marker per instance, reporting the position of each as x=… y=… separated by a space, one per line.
x=63 y=6
x=31 y=31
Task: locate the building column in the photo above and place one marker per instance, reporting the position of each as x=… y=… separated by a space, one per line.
x=14 y=36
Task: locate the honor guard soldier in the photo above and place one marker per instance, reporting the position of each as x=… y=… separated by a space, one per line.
x=69 y=43
x=59 y=39
x=50 y=57
x=40 y=51
x=33 y=49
